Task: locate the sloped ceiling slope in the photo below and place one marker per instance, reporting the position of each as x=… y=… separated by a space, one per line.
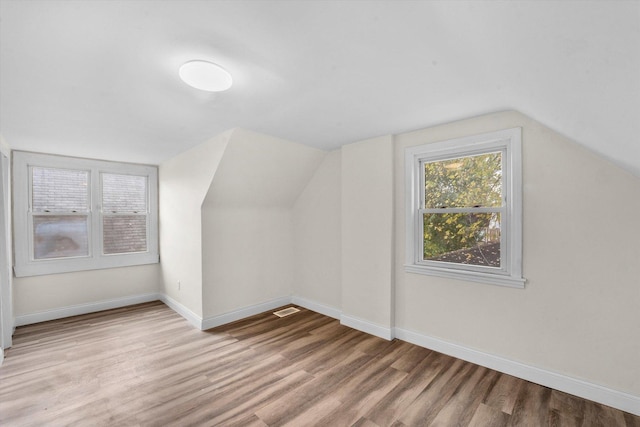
x=99 y=78
x=260 y=171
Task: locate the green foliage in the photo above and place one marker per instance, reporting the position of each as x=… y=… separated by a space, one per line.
x=444 y=233
x=464 y=182
x=473 y=181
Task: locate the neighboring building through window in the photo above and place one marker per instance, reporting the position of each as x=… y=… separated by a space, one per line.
x=464 y=208
x=76 y=214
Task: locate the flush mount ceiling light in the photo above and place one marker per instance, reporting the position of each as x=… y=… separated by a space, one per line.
x=205 y=75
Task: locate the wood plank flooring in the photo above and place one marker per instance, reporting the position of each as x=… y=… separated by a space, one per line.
x=146 y=366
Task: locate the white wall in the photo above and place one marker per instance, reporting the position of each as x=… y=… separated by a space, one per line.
x=317 y=236
x=367 y=235
x=184 y=181
x=247 y=221
x=56 y=292
x=247 y=257
x=578 y=315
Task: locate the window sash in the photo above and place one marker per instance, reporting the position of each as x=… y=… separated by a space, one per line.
x=419 y=251
x=462 y=155
x=105 y=211
x=33 y=236
x=123 y=215
x=87 y=201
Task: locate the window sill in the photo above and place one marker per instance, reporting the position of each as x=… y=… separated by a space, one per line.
x=471 y=276
x=57 y=266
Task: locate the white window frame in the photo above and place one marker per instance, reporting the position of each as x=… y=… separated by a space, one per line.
x=27 y=265
x=509 y=142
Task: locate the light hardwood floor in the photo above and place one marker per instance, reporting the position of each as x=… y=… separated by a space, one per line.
x=145 y=365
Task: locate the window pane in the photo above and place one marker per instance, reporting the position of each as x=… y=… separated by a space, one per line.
x=124 y=233
x=60 y=190
x=463 y=238
x=59 y=236
x=471 y=181
x=124 y=193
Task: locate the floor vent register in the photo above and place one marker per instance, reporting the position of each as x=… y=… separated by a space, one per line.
x=286 y=311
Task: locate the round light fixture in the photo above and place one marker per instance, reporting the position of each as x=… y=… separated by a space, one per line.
x=205 y=75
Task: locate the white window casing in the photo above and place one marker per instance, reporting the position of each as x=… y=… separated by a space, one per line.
x=94 y=257
x=509 y=143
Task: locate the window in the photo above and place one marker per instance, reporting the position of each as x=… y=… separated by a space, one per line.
x=74 y=214
x=464 y=208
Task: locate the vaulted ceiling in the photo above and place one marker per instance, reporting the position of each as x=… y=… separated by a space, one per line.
x=100 y=78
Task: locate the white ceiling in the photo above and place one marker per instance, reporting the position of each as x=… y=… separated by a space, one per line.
x=100 y=78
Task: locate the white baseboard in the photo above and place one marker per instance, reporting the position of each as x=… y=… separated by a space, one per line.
x=597 y=393
x=75 y=310
x=232 y=316
x=316 y=306
x=366 y=326
x=183 y=311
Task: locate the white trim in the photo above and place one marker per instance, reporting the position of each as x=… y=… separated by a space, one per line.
x=616 y=399
x=232 y=316
x=366 y=326
x=6 y=255
x=509 y=142
x=470 y=276
x=317 y=307
x=183 y=311
x=75 y=310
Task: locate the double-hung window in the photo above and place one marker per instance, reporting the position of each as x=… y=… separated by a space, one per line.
x=73 y=214
x=464 y=208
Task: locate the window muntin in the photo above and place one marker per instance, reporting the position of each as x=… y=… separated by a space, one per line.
x=76 y=214
x=464 y=208
x=59 y=212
